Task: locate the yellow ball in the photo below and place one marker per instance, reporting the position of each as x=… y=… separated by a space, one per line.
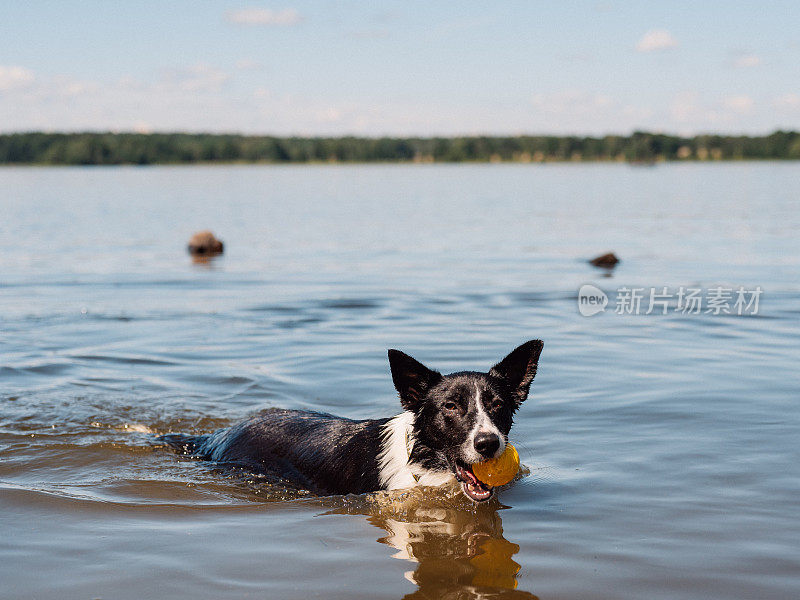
x=500 y=470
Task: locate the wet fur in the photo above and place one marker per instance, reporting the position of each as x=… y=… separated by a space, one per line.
x=444 y=416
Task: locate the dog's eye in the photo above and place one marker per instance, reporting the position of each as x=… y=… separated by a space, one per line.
x=450 y=405
x=494 y=404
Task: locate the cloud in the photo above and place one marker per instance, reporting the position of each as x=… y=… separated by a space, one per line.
x=142 y=127
x=14 y=78
x=196 y=78
x=248 y=64
x=72 y=88
x=369 y=34
x=570 y=101
x=580 y=111
x=692 y=113
x=263 y=16
x=788 y=101
x=685 y=107
x=747 y=61
x=196 y=98
x=202 y=97
x=179 y=98
x=738 y=104
x=656 y=39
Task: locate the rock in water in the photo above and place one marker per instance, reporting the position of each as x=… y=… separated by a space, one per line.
x=606 y=261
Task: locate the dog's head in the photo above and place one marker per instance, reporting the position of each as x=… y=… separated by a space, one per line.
x=463 y=418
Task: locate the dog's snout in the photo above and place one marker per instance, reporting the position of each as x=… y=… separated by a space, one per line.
x=487 y=444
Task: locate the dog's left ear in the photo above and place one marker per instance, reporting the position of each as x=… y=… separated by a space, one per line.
x=411 y=378
x=519 y=368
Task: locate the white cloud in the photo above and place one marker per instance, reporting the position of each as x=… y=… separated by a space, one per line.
x=690 y=113
x=788 y=101
x=656 y=39
x=747 y=61
x=182 y=98
x=370 y=34
x=248 y=64
x=685 y=107
x=15 y=77
x=330 y=114
x=198 y=98
x=570 y=101
x=738 y=104
x=142 y=127
x=579 y=112
x=197 y=78
x=263 y=16
x=66 y=87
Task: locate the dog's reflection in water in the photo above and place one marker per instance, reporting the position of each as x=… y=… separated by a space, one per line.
x=458 y=553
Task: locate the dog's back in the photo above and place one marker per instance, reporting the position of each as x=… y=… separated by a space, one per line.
x=321 y=452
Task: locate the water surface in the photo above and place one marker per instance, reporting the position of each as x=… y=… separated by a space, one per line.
x=662 y=450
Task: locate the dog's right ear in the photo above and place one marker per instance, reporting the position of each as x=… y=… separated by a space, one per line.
x=411 y=378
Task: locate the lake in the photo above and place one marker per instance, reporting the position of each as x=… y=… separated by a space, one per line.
x=661 y=450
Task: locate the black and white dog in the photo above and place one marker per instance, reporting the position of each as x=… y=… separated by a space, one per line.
x=449 y=423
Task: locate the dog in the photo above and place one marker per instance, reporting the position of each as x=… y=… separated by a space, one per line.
x=448 y=423
x=205 y=243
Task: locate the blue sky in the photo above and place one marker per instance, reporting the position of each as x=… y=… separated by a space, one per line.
x=400 y=67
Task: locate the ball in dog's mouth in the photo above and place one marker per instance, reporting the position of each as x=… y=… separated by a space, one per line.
x=474 y=489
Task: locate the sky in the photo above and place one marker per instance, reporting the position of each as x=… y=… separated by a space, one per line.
x=337 y=67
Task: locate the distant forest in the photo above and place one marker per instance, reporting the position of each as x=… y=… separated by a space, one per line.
x=180 y=148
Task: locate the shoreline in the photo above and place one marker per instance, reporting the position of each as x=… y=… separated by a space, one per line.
x=407 y=163
x=639 y=148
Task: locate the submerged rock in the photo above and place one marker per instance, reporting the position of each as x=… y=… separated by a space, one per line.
x=205 y=243
x=606 y=261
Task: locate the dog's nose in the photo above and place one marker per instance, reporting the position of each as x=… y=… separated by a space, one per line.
x=487 y=444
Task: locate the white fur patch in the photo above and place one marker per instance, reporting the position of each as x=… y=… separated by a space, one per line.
x=483 y=423
x=395 y=472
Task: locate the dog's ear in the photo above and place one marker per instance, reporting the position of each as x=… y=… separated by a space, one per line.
x=411 y=378
x=518 y=369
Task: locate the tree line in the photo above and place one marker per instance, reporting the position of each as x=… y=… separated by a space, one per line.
x=179 y=148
